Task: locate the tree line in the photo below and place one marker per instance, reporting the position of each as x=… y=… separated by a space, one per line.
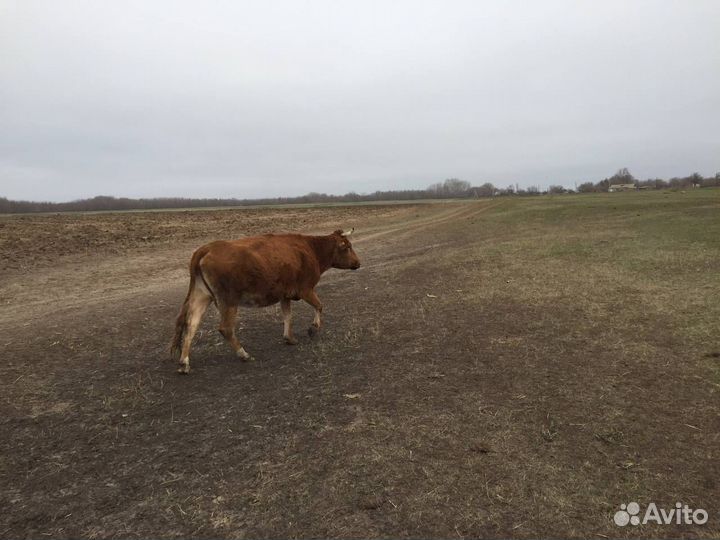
x=623 y=176
x=452 y=188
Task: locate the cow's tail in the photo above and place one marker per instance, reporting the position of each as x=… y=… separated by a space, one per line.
x=181 y=321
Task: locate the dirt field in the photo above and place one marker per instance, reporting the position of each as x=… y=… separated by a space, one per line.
x=513 y=368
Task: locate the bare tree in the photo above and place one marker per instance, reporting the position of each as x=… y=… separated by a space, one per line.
x=622 y=176
x=486 y=190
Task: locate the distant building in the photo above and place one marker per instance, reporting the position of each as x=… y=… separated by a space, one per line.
x=622 y=187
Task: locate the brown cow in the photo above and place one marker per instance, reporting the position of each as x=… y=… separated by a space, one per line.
x=256 y=272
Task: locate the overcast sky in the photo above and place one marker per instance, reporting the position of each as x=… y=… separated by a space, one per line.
x=270 y=98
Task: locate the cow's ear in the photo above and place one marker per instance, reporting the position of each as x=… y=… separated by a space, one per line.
x=338 y=232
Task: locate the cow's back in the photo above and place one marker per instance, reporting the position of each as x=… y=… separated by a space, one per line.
x=259 y=270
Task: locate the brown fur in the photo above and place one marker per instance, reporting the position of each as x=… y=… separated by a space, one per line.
x=257 y=271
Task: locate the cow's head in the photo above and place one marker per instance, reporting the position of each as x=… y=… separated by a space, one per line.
x=344 y=255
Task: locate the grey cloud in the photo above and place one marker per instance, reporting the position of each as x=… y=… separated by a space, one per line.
x=254 y=99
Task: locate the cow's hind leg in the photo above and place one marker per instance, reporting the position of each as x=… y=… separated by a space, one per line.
x=286 y=308
x=228 y=316
x=198 y=302
x=312 y=298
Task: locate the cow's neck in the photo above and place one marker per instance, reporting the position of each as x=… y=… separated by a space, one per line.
x=324 y=248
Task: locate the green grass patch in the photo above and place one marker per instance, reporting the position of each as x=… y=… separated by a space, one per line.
x=644 y=266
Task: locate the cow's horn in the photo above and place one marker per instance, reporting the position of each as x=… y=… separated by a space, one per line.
x=349 y=232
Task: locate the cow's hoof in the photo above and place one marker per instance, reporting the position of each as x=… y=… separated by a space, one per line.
x=243 y=355
x=184 y=366
x=313 y=331
x=290 y=340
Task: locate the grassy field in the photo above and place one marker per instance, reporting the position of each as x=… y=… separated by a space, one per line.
x=626 y=258
x=513 y=368
x=610 y=339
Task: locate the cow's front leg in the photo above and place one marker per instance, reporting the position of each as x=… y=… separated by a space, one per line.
x=286 y=308
x=312 y=299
